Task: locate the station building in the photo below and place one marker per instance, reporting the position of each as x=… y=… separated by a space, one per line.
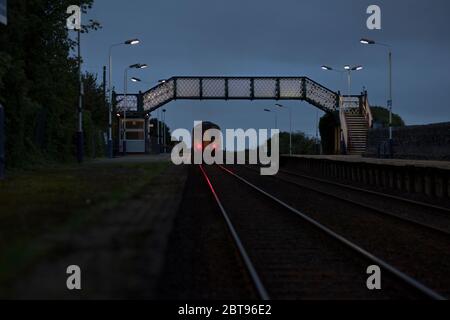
x=132 y=124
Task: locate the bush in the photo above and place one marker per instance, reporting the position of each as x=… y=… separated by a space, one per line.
x=381 y=117
x=327 y=126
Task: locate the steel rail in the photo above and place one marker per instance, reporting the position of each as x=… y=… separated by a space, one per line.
x=415 y=284
x=445 y=211
x=262 y=292
x=364 y=206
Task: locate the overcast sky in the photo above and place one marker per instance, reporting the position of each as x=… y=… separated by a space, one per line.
x=279 y=38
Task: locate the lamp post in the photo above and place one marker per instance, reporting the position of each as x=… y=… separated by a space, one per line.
x=158 y=116
x=164 y=130
x=136 y=80
x=347 y=69
x=158 y=112
x=389 y=102
x=276 y=116
x=110 y=70
x=80 y=137
x=79 y=133
x=290 y=125
x=125 y=86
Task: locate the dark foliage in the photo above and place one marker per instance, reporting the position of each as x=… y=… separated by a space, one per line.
x=328 y=124
x=301 y=144
x=39 y=85
x=381 y=117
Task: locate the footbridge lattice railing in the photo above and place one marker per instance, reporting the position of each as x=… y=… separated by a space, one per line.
x=248 y=88
x=241 y=88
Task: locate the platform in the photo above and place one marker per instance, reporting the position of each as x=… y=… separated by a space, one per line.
x=135 y=159
x=411 y=178
x=445 y=165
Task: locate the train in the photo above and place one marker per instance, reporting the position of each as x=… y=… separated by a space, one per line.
x=200 y=145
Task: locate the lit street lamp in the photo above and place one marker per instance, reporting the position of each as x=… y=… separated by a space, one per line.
x=125 y=85
x=276 y=116
x=389 y=103
x=347 y=69
x=128 y=42
x=139 y=80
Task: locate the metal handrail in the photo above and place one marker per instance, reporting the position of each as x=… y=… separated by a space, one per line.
x=343 y=119
x=367 y=112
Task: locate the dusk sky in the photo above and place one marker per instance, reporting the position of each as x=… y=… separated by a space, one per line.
x=279 y=38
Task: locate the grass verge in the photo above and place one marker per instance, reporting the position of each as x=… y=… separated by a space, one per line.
x=37 y=203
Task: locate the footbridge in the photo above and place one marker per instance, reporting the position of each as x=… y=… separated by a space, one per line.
x=354 y=111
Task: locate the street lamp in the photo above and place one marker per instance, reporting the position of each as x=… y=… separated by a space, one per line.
x=125 y=86
x=347 y=69
x=389 y=102
x=132 y=42
x=80 y=133
x=276 y=116
x=128 y=42
x=158 y=112
x=366 y=41
x=290 y=125
x=164 y=130
x=136 y=80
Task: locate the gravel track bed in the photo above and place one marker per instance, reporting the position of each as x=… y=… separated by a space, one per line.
x=429 y=216
x=418 y=252
x=294 y=259
x=202 y=262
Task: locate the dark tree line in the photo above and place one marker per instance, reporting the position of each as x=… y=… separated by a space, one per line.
x=301 y=144
x=39 y=85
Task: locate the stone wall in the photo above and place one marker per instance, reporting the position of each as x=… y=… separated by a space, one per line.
x=427 y=142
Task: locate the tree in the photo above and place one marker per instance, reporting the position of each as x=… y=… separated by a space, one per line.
x=301 y=144
x=38 y=81
x=95 y=116
x=328 y=125
x=381 y=116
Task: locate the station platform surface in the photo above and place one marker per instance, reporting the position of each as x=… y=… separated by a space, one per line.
x=445 y=165
x=135 y=159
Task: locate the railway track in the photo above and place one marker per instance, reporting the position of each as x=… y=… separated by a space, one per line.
x=444 y=213
x=438 y=209
x=288 y=257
